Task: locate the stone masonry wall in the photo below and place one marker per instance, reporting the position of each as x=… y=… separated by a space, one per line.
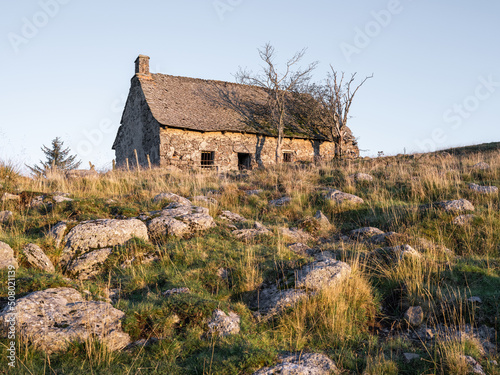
x=183 y=148
x=139 y=131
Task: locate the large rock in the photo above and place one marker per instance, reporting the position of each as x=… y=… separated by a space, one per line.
x=6 y=256
x=456 y=205
x=172 y=198
x=340 y=197
x=99 y=234
x=322 y=274
x=222 y=324
x=310 y=279
x=37 y=258
x=178 y=220
x=57 y=232
x=53 y=318
x=6 y=216
x=483 y=189
x=301 y=364
x=89 y=264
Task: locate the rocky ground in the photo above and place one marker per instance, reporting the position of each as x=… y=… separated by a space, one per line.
x=373 y=266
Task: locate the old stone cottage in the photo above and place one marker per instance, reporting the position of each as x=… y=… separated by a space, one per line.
x=192 y=123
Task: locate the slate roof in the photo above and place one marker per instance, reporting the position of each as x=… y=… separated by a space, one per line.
x=208 y=106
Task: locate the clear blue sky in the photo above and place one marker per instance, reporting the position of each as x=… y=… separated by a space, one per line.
x=67 y=64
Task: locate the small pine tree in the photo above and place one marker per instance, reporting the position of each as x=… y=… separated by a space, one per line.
x=58 y=158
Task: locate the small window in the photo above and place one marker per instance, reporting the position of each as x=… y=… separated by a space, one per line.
x=207 y=159
x=287 y=157
x=244 y=161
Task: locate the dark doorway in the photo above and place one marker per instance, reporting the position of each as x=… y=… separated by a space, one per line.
x=244 y=160
x=207 y=159
x=287 y=157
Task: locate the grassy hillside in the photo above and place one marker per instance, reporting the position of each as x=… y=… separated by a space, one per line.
x=359 y=324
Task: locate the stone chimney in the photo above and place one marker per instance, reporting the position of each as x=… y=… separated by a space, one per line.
x=142 y=65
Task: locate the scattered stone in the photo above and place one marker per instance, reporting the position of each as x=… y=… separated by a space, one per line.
x=10 y=197
x=475 y=299
x=172 y=198
x=410 y=357
x=6 y=256
x=424 y=244
x=51 y=319
x=272 y=301
x=463 y=219
x=299 y=248
x=249 y=234
x=414 y=316
x=37 y=202
x=57 y=232
x=456 y=205
x=475 y=367
x=222 y=324
x=179 y=220
x=207 y=200
x=99 y=234
x=232 y=217
x=253 y=192
x=385 y=238
x=482 y=166
x=171 y=292
x=88 y=265
x=61 y=198
x=322 y=274
x=366 y=232
x=301 y=364
x=110 y=201
x=280 y=202
x=361 y=177
x=37 y=258
x=6 y=216
x=296 y=235
x=340 y=197
x=483 y=189
x=223 y=273
x=322 y=219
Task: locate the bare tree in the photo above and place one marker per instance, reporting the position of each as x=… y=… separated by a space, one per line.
x=278 y=85
x=332 y=102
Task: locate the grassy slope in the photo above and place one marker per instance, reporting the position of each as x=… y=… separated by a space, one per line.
x=342 y=323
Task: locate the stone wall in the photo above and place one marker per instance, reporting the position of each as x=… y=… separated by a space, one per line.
x=183 y=148
x=138 y=131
